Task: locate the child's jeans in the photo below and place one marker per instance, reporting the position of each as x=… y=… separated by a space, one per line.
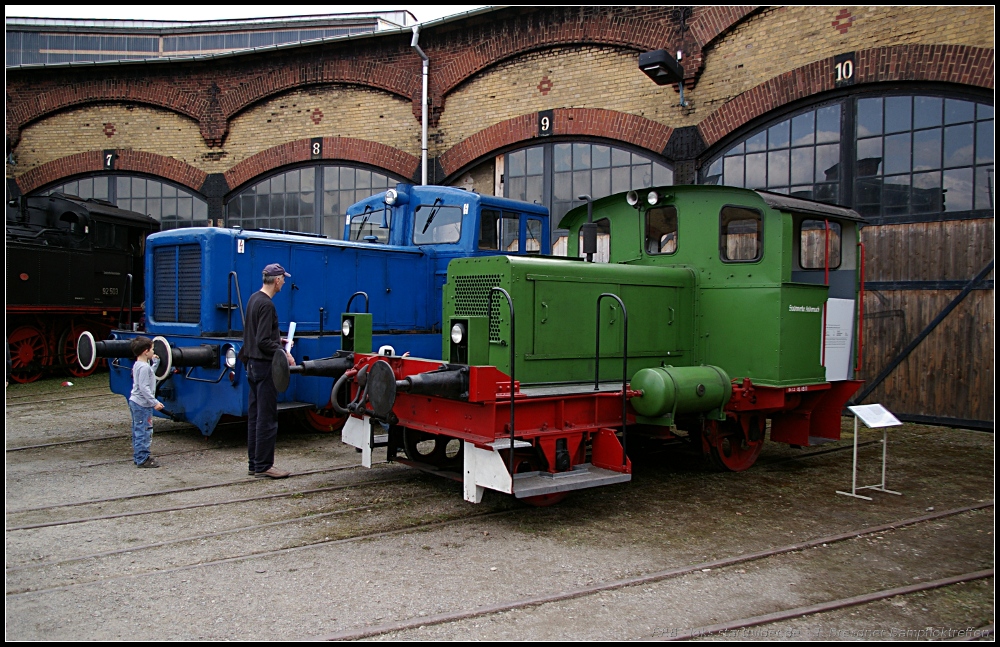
x=142 y=431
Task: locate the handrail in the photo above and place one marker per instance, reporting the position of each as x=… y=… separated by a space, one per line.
x=121 y=308
x=229 y=302
x=489 y=317
x=349 y=301
x=597 y=363
x=861 y=311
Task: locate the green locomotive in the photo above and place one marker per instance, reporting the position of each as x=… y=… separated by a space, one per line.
x=696 y=312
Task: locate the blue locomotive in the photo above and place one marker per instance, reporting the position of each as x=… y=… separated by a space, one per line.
x=387 y=273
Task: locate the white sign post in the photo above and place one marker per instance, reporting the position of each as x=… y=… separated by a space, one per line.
x=874 y=416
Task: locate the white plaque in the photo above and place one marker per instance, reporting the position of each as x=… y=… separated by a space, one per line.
x=875 y=416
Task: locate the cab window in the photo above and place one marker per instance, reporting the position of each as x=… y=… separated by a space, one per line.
x=740 y=234
x=436 y=223
x=533 y=233
x=498 y=231
x=370 y=224
x=813 y=238
x=661 y=230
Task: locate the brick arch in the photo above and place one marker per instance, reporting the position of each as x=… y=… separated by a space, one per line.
x=334 y=148
x=585 y=122
x=29 y=109
x=402 y=81
x=959 y=64
x=132 y=161
x=639 y=29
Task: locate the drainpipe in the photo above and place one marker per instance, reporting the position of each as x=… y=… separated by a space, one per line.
x=423 y=105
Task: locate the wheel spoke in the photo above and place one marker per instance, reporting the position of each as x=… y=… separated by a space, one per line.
x=29 y=354
x=730 y=448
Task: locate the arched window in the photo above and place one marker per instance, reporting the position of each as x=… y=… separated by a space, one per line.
x=288 y=201
x=556 y=174
x=890 y=156
x=173 y=205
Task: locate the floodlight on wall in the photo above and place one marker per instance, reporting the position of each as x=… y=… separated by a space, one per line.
x=663 y=68
x=660 y=66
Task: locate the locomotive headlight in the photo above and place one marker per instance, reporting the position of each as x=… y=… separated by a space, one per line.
x=230 y=357
x=346 y=328
x=653 y=197
x=457 y=333
x=391 y=196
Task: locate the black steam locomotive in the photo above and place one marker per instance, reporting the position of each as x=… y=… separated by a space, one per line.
x=72 y=265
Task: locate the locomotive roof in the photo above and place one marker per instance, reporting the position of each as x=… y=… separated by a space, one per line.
x=104 y=208
x=450 y=195
x=788 y=203
x=774 y=200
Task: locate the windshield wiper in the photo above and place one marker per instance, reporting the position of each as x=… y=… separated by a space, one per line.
x=367 y=213
x=437 y=208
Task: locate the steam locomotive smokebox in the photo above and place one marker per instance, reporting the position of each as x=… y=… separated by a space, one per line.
x=691 y=389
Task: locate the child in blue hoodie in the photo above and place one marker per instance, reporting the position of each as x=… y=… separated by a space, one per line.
x=143 y=400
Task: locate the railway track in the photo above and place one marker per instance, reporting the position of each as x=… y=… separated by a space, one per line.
x=474 y=515
x=734 y=627
x=377 y=552
x=421 y=622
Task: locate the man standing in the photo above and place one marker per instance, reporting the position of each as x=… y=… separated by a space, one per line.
x=261 y=340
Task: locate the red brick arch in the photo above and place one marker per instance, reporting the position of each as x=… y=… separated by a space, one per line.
x=33 y=107
x=127 y=161
x=403 y=81
x=636 y=28
x=959 y=64
x=345 y=149
x=584 y=122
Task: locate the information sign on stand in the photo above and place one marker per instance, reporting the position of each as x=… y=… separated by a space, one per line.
x=874 y=416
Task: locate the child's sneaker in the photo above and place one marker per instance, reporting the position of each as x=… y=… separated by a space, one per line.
x=149 y=462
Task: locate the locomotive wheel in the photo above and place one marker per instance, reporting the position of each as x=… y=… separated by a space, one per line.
x=67 y=351
x=525 y=461
x=29 y=354
x=325 y=420
x=732 y=450
x=440 y=451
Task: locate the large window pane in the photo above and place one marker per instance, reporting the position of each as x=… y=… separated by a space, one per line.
x=897 y=154
x=958 y=189
x=927 y=149
x=958 y=145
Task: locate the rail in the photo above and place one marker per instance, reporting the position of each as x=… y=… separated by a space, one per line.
x=351 y=300
x=233 y=278
x=597 y=362
x=489 y=317
x=121 y=309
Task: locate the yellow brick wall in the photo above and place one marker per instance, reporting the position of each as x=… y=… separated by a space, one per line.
x=581 y=77
x=785 y=38
x=348 y=111
x=140 y=128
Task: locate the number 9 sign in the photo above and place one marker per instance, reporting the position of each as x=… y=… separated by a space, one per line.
x=545 y=119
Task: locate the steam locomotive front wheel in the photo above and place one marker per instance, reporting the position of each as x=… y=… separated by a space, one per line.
x=67 y=351
x=29 y=354
x=734 y=446
x=439 y=451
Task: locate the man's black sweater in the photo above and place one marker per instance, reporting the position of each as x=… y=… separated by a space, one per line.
x=261 y=337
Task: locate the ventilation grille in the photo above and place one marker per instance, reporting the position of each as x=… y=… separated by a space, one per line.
x=472 y=294
x=177 y=284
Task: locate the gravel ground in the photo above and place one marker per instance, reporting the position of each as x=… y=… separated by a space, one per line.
x=337 y=548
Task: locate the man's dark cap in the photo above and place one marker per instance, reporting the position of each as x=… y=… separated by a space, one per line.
x=275 y=270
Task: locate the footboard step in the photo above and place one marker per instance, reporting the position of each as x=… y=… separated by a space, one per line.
x=581 y=476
